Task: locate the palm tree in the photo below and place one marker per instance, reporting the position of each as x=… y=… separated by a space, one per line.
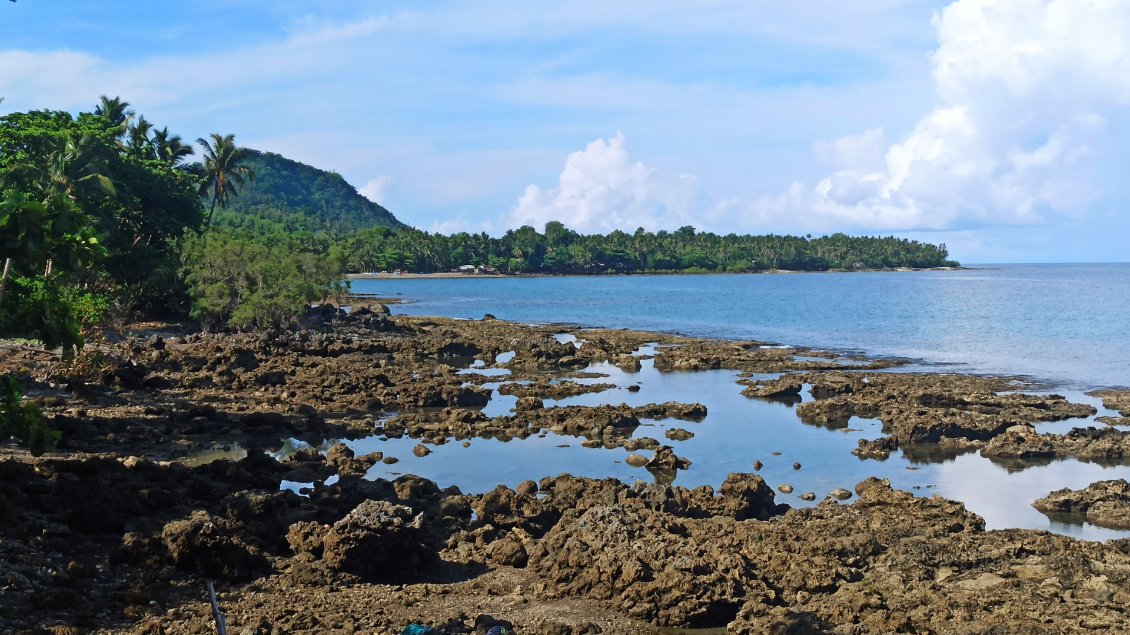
x=116 y=110
x=170 y=148
x=138 y=135
x=75 y=166
x=222 y=171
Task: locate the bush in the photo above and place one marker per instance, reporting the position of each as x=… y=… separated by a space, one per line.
x=23 y=420
x=242 y=282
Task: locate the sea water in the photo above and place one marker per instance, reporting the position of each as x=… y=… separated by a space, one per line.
x=1060 y=325
x=1065 y=325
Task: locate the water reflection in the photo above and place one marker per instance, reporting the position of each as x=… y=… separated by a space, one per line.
x=736 y=433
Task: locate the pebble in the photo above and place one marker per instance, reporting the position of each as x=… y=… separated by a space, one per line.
x=840 y=493
x=785 y=488
x=796 y=466
x=757 y=465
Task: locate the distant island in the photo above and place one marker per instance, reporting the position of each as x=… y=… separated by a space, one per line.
x=291 y=198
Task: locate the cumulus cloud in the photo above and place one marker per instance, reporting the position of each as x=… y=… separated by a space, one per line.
x=601 y=189
x=1025 y=90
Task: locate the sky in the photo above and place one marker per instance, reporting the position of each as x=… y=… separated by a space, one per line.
x=998 y=127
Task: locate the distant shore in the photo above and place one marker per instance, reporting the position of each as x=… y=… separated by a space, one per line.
x=384 y=275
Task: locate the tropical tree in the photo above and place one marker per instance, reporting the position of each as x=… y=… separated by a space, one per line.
x=224 y=172
x=170 y=148
x=137 y=138
x=116 y=111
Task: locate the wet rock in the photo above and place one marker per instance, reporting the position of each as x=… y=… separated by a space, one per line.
x=666 y=459
x=641 y=443
x=840 y=494
x=671 y=410
x=421 y=450
x=757 y=465
x=796 y=466
x=880 y=448
x=528 y=403
x=785 y=488
x=1115 y=400
x=629 y=364
x=808 y=496
x=1087 y=444
x=378 y=541
x=923 y=408
x=1105 y=503
x=546 y=389
x=786 y=388
x=635 y=460
x=678 y=434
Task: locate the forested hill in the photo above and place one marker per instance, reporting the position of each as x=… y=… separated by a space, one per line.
x=296 y=196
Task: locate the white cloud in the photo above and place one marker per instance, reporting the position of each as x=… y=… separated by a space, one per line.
x=601 y=189
x=376 y=189
x=1025 y=91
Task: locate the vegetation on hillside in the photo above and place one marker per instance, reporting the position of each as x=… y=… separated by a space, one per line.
x=291 y=196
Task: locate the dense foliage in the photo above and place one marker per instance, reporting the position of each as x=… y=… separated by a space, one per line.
x=295 y=196
x=91 y=206
x=266 y=282
x=562 y=251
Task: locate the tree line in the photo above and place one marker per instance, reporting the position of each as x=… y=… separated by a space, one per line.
x=559 y=250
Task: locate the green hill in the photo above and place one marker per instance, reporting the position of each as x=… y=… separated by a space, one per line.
x=298 y=196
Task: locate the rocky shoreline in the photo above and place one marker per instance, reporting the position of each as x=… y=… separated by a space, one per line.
x=115 y=533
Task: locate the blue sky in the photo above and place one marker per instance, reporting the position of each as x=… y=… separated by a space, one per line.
x=998 y=127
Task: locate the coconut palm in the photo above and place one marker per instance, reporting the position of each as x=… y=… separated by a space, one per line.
x=74 y=168
x=222 y=171
x=137 y=135
x=170 y=148
x=115 y=110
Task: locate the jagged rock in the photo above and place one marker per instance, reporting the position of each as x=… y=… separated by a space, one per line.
x=665 y=459
x=678 y=434
x=1105 y=503
x=377 y=541
x=201 y=544
x=880 y=448
x=1087 y=444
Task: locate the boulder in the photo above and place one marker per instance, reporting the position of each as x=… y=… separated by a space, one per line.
x=199 y=543
x=378 y=541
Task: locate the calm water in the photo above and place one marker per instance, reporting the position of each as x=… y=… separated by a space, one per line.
x=1063 y=325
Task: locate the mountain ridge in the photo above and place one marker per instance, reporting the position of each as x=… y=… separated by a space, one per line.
x=303 y=196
